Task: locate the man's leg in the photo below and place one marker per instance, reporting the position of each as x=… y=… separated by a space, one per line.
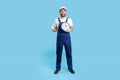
x=59 y=49
x=68 y=51
x=69 y=55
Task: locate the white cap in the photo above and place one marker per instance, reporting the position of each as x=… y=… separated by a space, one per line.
x=62 y=8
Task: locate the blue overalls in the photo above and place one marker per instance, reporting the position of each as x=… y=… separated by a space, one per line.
x=63 y=39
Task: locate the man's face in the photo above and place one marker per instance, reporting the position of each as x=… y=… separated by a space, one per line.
x=62 y=12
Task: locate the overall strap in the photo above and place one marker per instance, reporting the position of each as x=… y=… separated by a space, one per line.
x=59 y=20
x=66 y=20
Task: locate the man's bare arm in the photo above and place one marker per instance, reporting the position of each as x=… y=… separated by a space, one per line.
x=71 y=27
x=54 y=29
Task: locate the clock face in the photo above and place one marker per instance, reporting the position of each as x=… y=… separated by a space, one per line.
x=65 y=26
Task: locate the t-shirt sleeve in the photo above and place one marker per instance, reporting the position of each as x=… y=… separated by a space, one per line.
x=55 y=22
x=70 y=21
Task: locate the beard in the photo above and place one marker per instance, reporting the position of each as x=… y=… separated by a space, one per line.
x=62 y=15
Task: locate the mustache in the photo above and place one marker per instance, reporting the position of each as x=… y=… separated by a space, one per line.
x=63 y=15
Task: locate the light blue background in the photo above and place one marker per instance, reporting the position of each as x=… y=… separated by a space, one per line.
x=27 y=44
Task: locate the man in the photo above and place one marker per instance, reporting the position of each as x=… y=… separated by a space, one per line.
x=63 y=39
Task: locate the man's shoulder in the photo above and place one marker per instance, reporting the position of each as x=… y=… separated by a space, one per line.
x=56 y=19
x=69 y=18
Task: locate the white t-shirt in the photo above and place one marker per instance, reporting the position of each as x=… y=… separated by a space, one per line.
x=56 y=22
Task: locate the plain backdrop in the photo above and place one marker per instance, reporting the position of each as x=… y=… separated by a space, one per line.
x=28 y=46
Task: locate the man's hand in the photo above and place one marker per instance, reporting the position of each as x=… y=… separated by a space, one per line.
x=71 y=28
x=54 y=28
